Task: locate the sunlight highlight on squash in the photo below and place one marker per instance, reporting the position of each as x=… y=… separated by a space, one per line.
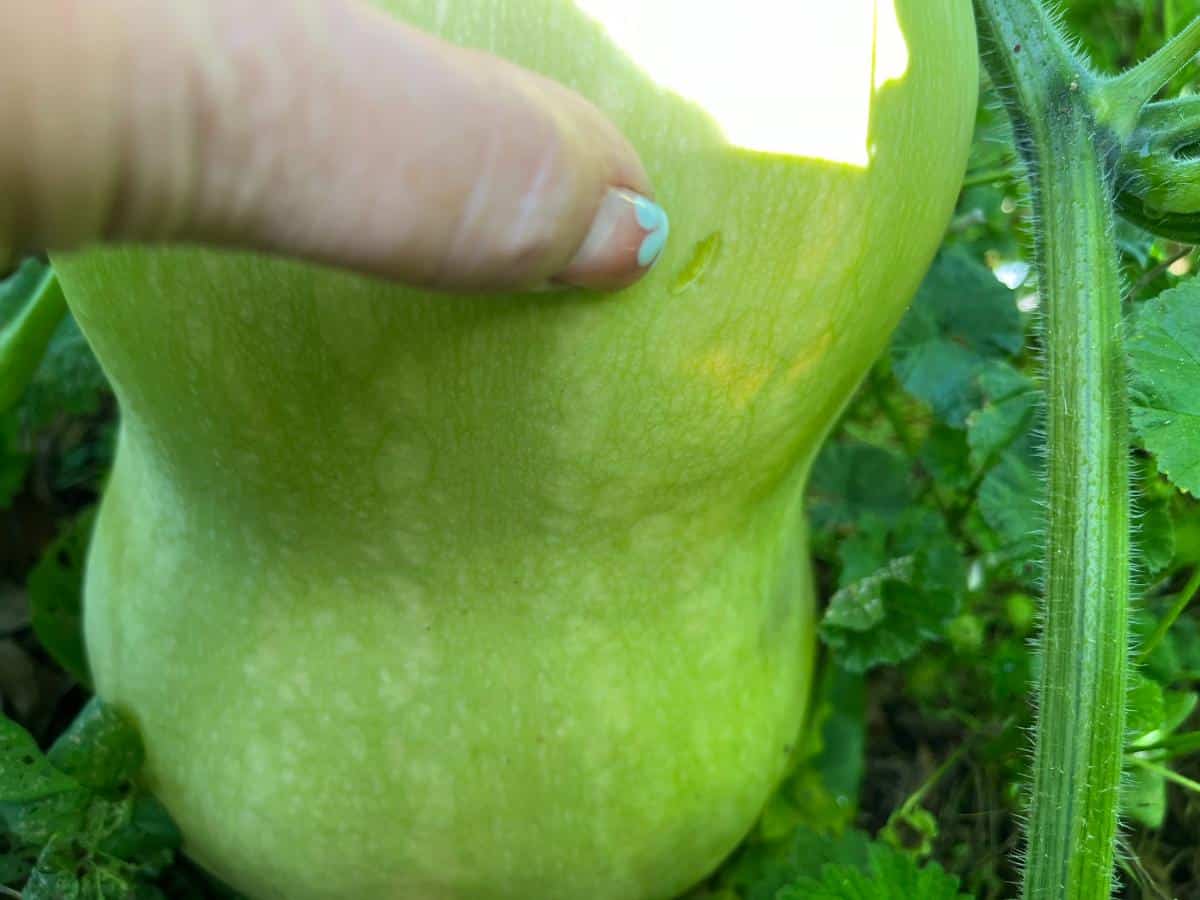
x=744 y=69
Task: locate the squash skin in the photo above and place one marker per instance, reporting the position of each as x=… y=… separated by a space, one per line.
x=428 y=598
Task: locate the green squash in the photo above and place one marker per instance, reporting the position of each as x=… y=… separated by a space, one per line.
x=420 y=597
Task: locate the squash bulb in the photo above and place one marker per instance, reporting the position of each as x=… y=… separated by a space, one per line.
x=419 y=597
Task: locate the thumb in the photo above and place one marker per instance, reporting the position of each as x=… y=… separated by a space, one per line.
x=315 y=128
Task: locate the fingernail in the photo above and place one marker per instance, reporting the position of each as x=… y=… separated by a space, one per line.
x=653 y=218
x=626 y=239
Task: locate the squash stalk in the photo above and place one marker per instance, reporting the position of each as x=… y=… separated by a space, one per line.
x=1074 y=804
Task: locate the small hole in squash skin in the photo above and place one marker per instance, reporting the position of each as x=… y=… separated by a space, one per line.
x=703 y=256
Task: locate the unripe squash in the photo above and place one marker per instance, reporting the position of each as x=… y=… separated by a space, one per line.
x=420 y=597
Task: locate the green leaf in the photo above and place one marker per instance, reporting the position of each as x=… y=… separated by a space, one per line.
x=1178 y=707
x=1144 y=797
x=149 y=835
x=1164 y=351
x=69 y=379
x=24 y=339
x=56 y=596
x=1008 y=413
x=888 y=875
x=1143 y=792
x=101 y=749
x=945 y=455
x=876 y=543
x=865 y=551
x=1010 y=498
x=92 y=833
x=1009 y=665
x=821 y=791
x=70 y=868
x=1146 y=706
x=35 y=822
x=15 y=867
x=1003 y=436
x=1153 y=715
x=854 y=480
x=760 y=871
x=45 y=361
x=962 y=318
x=185 y=881
x=57 y=875
x=1178 y=654
x=14 y=462
x=888 y=616
x=25 y=774
x=1156 y=712
x=1153 y=531
x=841 y=762
x=17 y=289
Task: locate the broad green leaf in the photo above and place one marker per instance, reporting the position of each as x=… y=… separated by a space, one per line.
x=1136 y=243
x=888 y=616
x=58 y=874
x=1009 y=664
x=962 y=318
x=26 y=337
x=1010 y=498
x=14 y=462
x=1008 y=413
x=1154 y=714
x=19 y=287
x=1153 y=533
x=760 y=871
x=1164 y=351
x=853 y=480
x=25 y=774
x=83 y=829
x=69 y=379
x=101 y=749
x=1144 y=797
x=33 y=823
x=864 y=552
x=186 y=881
x=1178 y=654
x=945 y=455
x=821 y=792
x=841 y=763
x=149 y=835
x=1146 y=707
x=1178 y=707
x=51 y=368
x=56 y=593
x=889 y=875
x=15 y=866
x=861 y=606
x=875 y=543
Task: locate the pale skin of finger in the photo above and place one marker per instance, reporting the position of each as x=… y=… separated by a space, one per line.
x=314 y=128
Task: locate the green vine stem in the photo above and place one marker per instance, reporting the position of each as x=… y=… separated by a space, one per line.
x=1159 y=184
x=1086 y=141
x=1118 y=101
x=1078 y=750
x=24 y=340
